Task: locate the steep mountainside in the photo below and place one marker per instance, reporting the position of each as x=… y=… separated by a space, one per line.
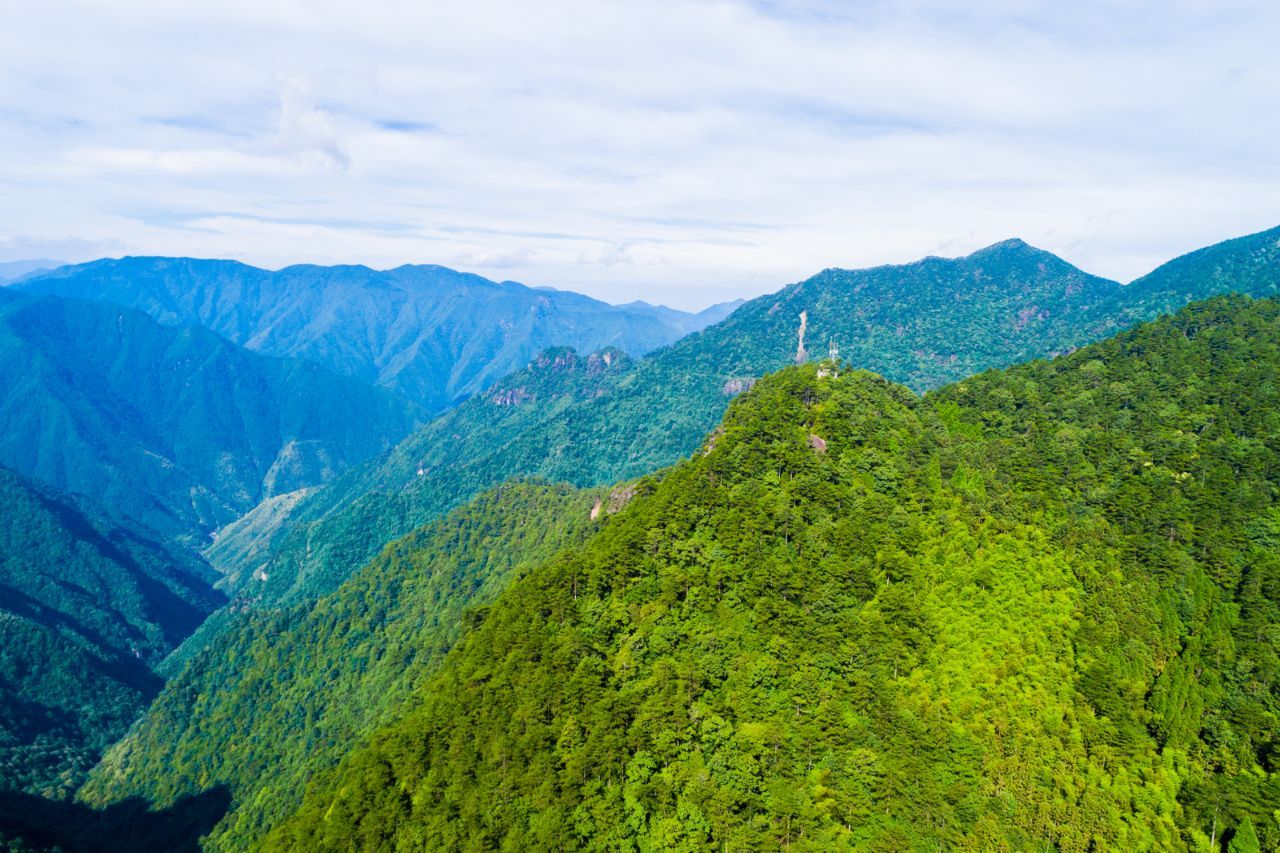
x=459 y=454
x=173 y=427
x=290 y=692
x=87 y=608
x=433 y=334
x=922 y=324
x=1035 y=610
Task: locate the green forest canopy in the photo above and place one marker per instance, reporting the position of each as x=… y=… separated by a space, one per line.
x=1036 y=609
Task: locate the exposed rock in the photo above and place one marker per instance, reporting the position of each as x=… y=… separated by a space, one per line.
x=737 y=386
x=599 y=362
x=802 y=354
x=818 y=443
x=712 y=439
x=619 y=498
x=510 y=396
x=555 y=359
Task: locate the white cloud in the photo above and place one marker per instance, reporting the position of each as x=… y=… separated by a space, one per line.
x=679 y=152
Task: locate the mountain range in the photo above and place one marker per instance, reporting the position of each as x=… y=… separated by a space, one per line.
x=14 y=270
x=434 y=335
x=173 y=427
x=594 y=420
x=925 y=556
x=1034 y=608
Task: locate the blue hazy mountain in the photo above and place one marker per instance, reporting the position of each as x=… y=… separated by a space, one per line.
x=429 y=332
x=173 y=426
x=13 y=270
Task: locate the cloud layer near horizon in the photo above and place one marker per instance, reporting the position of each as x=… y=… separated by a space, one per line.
x=679 y=152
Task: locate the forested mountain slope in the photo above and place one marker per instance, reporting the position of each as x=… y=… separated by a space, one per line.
x=173 y=427
x=1244 y=265
x=923 y=324
x=290 y=692
x=1036 y=609
x=429 y=332
x=527 y=422
x=87 y=608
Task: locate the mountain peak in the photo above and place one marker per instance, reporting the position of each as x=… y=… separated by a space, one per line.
x=1011 y=243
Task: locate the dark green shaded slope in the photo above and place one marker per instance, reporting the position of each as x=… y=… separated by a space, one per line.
x=1034 y=610
x=289 y=692
x=86 y=610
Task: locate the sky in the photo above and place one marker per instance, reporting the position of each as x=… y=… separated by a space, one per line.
x=679 y=152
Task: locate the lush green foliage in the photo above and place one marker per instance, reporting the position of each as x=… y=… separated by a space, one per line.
x=173 y=427
x=433 y=334
x=86 y=610
x=289 y=692
x=1035 y=610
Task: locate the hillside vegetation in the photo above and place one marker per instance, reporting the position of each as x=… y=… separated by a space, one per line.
x=87 y=610
x=288 y=693
x=1036 y=609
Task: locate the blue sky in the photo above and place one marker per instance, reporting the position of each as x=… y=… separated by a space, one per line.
x=683 y=153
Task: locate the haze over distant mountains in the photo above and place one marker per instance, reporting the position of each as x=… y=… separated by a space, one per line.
x=175 y=428
x=13 y=270
x=433 y=334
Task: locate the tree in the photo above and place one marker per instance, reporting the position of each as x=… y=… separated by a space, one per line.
x=1245 y=840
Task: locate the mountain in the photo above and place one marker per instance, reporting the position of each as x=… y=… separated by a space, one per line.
x=923 y=324
x=1244 y=265
x=87 y=609
x=13 y=270
x=1033 y=610
x=595 y=420
x=272 y=721
x=314 y=546
x=689 y=323
x=173 y=427
x=431 y=333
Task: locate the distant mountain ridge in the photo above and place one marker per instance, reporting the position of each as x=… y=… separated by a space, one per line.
x=431 y=333
x=14 y=270
x=173 y=427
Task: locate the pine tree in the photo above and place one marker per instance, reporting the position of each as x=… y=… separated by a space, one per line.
x=1245 y=840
